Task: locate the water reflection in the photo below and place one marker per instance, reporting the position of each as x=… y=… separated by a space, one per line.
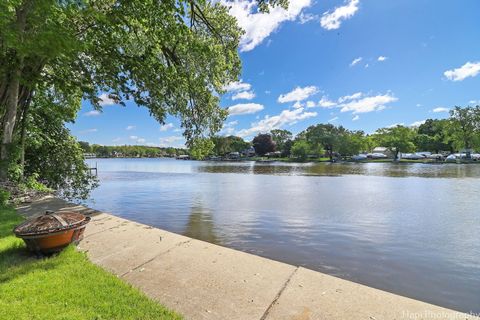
x=200 y=225
x=339 y=169
x=416 y=236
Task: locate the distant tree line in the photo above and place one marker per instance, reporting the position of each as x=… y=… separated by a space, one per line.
x=461 y=131
x=130 y=151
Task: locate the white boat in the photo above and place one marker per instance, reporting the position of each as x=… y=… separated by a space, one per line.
x=360 y=157
x=376 y=155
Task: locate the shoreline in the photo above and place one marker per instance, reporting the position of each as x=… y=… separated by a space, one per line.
x=206 y=281
x=283 y=160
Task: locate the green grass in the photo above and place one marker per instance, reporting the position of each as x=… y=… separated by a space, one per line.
x=64 y=286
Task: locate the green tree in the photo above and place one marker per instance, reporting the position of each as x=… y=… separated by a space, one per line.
x=434 y=136
x=225 y=145
x=465 y=127
x=263 y=144
x=397 y=139
x=200 y=148
x=85 y=146
x=168 y=56
x=300 y=149
x=52 y=155
x=351 y=143
x=280 y=137
x=326 y=136
x=172 y=57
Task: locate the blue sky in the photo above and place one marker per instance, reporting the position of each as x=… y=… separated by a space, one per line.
x=363 y=64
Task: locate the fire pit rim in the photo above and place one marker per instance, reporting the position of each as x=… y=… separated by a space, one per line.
x=51 y=231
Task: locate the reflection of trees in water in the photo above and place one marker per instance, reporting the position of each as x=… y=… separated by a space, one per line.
x=441 y=170
x=200 y=225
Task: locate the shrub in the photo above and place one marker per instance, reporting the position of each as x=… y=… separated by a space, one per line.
x=4 y=197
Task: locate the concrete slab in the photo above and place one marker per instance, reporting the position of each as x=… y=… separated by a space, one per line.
x=103 y=222
x=50 y=203
x=205 y=281
x=126 y=245
x=315 y=296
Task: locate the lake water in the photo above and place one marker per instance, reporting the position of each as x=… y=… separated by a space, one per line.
x=411 y=229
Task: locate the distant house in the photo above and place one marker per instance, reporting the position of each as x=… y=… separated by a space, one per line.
x=275 y=154
x=89 y=155
x=383 y=150
x=233 y=155
x=249 y=152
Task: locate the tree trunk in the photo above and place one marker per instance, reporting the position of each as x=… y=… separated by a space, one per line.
x=9 y=120
x=12 y=95
x=24 y=133
x=396 y=155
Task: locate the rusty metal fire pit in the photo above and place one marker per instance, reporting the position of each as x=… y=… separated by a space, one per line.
x=52 y=231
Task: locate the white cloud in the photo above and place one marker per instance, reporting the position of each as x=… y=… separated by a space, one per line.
x=137 y=139
x=418 y=123
x=166 y=127
x=326 y=103
x=355 y=61
x=310 y=104
x=286 y=117
x=245 y=95
x=297 y=105
x=469 y=69
x=128 y=128
x=419 y=105
x=366 y=66
x=440 y=109
x=395 y=125
x=333 y=19
x=367 y=104
x=333 y=119
x=382 y=58
x=298 y=94
x=355 y=118
x=93 y=113
x=116 y=139
x=354 y=96
x=307 y=17
x=237 y=86
x=231 y=123
x=258 y=25
x=244 y=108
x=172 y=141
x=105 y=100
x=228 y=128
x=475 y=102
x=89 y=130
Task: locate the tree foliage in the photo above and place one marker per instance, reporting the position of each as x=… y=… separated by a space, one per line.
x=300 y=150
x=225 y=145
x=433 y=135
x=397 y=139
x=465 y=126
x=281 y=138
x=263 y=144
x=326 y=136
x=172 y=57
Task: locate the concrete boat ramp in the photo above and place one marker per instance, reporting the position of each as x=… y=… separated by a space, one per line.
x=204 y=281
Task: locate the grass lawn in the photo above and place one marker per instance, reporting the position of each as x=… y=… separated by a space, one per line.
x=65 y=286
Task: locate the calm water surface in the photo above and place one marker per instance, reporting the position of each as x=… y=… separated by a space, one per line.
x=411 y=229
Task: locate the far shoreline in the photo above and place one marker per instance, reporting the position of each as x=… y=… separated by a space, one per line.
x=288 y=160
